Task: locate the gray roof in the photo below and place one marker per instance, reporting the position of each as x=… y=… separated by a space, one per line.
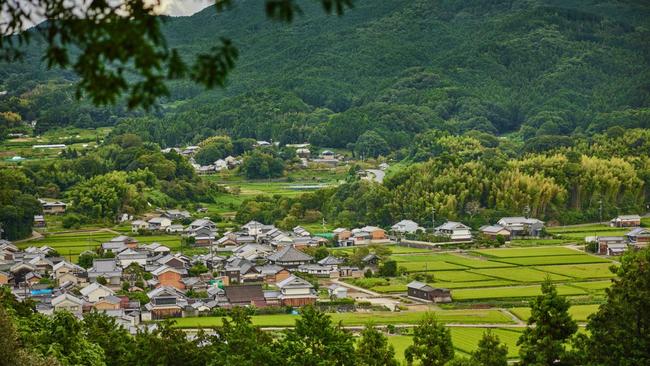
x=331 y=260
x=295 y=282
x=289 y=254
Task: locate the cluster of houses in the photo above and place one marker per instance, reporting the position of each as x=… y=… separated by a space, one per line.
x=507 y=227
x=636 y=238
x=265 y=269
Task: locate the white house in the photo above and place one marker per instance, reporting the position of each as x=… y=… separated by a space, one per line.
x=159 y=223
x=129 y=256
x=95 y=292
x=456 y=231
x=406 y=227
x=337 y=292
x=139 y=225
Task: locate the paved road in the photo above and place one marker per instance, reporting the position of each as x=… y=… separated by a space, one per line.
x=378 y=175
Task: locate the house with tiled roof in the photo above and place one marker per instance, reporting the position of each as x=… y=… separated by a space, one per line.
x=289 y=257
x=295 y=291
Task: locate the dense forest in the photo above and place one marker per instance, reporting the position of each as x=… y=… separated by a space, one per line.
x=537 y=68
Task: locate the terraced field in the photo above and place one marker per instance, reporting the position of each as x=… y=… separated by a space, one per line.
x=578 y=312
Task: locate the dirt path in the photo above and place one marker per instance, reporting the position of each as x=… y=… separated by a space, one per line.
x=35 y=236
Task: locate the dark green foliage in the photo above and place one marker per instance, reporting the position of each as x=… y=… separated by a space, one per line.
x=17 y=205
x=388 y=269
x=432 y=344
x=622 y=317
x=373 y=349
x=316 y=341
x=545 y=343
x=490 y=352
x=259 y=164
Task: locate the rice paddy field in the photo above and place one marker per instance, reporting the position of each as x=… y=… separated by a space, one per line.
x=579 y=313
x=473 y=316
x=71 y=244
x=504 y=274
x=465 y=340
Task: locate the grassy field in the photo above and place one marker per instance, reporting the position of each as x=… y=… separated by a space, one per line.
x=429 y=266
x=578 y=312
x=597 y=286
x=408 y=317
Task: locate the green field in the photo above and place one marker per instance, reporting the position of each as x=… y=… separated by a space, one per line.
x=407 y=317
x=465 y=340
x=459 y=276
x=563 y=259
x=511 y=292
x=71 y=244
x=520 y=274
x=578 y=312
x=582 y=271
x=526 y=252
x=429 y=266
x=597 y=286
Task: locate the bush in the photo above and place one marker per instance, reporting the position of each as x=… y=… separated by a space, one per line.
x=72 y=221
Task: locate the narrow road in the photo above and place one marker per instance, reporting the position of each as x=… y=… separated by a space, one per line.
x=378 y=175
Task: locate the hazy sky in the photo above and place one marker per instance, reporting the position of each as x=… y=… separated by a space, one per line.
x=184 y=7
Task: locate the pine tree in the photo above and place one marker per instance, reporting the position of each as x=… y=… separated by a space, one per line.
x=432 y=344
x=549 y=327
x=490 y=351
x=373 y=349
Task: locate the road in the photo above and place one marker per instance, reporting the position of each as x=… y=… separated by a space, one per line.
x=378 y=175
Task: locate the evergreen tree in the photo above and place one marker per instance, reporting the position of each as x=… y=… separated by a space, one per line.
x=619 y=333
x=373 y=349
x=432 y=344
x=549 y=327
x=490 y=351
x=316 y=341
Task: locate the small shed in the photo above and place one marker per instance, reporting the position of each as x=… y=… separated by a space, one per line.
x=425 y=292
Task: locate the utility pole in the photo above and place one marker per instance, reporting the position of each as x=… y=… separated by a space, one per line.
x=527 y=211
x=600 y=211
x=433 y=217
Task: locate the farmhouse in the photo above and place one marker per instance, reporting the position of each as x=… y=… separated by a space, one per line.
x=294 y=291
x=626 y=221
x=494 y=231
x=245 y=295
x=425 y=292
x=337 y=292
x=639 y=237
x=522 y=226
x=53 y=208
x=39 y=221
x=611 y=245
x=456 y=231
x=406 y=227
x=159 y=223
x=166 y=302
x=95 y=292
x=169 y=277
x=69 y=303
x=289 y=257
x=139 y=225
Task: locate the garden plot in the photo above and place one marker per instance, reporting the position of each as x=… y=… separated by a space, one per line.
x=520 y=274
x=582 y=271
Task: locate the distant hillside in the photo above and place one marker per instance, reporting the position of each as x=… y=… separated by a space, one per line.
x=402 y=67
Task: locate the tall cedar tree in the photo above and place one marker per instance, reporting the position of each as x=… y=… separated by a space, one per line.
x=316 y=341
x=432 y=344
x=620 y=330
x=373 y=349
x=549 y=327
x=490 y=352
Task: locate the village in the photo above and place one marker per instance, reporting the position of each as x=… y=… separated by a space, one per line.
x=262 y=267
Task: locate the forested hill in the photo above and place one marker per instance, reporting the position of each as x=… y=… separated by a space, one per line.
x=538 y=67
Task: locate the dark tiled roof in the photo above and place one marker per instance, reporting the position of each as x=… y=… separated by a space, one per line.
x=244 y=293
x=289 y=254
